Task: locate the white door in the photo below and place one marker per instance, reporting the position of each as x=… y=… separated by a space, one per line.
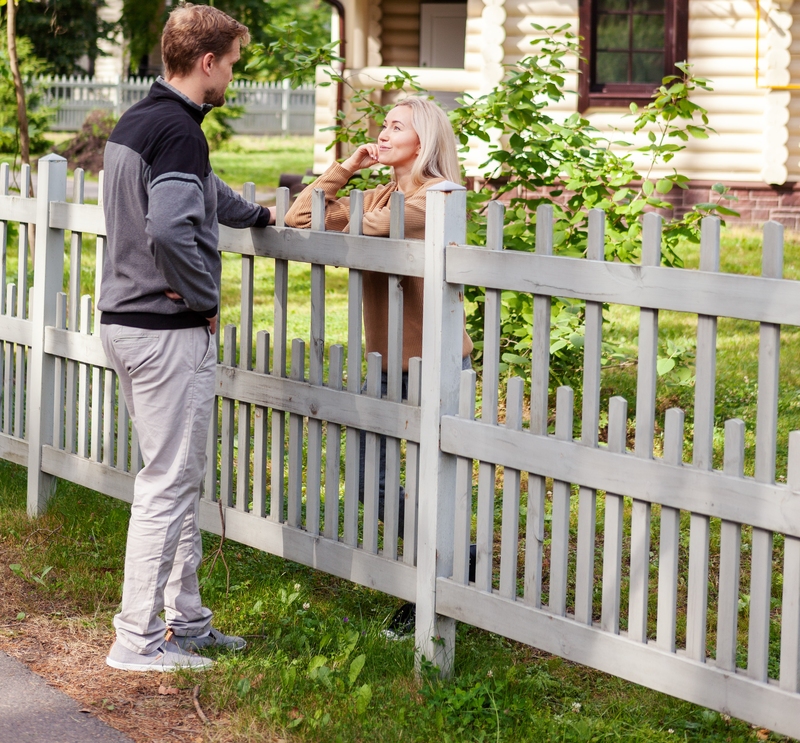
x=443 y=29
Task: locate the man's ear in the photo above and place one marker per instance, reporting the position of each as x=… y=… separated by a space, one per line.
x=206 y=62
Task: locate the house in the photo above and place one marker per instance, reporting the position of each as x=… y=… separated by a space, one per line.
x=743 y=48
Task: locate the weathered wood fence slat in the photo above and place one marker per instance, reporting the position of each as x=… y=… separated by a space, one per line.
x=548 y=507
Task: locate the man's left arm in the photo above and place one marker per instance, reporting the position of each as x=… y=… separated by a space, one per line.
x=235 y=211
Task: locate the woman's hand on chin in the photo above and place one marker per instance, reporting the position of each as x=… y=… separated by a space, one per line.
x=364 y=157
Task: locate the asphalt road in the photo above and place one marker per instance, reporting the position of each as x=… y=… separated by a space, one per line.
x=33 y=712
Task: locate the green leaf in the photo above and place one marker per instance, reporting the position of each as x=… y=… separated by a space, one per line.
x=697 y=132
x=363 y=696
x=355 y=668
x=647 y=188
x=664 y=185
x=664 y=366
x=317 y=662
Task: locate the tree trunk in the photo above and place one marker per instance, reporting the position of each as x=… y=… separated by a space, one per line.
x=22 y=114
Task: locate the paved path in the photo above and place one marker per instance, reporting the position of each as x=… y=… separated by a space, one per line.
x=33 y=712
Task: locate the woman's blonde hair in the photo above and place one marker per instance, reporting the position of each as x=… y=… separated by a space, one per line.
x=438 y=154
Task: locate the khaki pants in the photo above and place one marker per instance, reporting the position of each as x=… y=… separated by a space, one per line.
x=167 y=380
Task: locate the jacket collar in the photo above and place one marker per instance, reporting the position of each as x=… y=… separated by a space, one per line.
x=161 y=89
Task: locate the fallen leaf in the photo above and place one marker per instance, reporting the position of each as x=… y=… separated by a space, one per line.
x=85 y=711
x=762 y=734
x=167 y=690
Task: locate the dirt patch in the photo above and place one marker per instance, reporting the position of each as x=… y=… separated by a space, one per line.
x=69 y=651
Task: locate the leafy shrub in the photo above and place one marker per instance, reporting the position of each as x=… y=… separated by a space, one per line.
x=217 y=126
x=85 y=150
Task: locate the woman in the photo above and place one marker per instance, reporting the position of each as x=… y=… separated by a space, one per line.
x=417 y=142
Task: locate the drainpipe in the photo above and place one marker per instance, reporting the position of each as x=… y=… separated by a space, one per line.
x=339 y=7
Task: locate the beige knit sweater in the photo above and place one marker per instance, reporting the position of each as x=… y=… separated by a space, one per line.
x=376 y=285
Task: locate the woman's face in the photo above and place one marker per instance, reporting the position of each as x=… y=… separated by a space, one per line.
x=398 y=143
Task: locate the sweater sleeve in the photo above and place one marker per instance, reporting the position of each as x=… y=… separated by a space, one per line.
x=378 y=219
x=235 y=211
x=337 y=211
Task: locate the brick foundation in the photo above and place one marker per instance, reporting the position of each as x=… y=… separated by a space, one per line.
x=757 y=203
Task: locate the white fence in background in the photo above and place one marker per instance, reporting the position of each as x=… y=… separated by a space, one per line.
x=284 y=450
x=269 y=108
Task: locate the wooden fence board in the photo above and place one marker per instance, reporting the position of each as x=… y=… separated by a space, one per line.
x=711 y=493
x=14 y=329
x=697 y=292
x=87 y=218
x=729 y=556
x=612 y=531
x=399 y=257
x=766 y=434
x=562 y=492
x=540 y=379
x=590 y=422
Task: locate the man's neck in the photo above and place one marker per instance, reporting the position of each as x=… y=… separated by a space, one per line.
x=190 y=87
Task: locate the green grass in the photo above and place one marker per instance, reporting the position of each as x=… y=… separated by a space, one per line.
x=262 y=160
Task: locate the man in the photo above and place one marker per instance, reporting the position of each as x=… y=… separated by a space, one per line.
x=159 y=297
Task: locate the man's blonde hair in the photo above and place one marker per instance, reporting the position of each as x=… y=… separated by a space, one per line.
x=194 y=30
x=438 y=154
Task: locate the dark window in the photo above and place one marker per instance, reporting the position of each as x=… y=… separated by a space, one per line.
x=628 y=46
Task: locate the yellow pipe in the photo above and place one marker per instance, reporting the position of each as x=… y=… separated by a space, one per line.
x=758 y=38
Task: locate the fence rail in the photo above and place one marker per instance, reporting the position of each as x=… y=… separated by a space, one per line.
x=550 y=512
x=269 y=108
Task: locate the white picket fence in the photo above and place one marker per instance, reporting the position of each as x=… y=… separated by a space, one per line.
x=284 y=451
x=269 y=108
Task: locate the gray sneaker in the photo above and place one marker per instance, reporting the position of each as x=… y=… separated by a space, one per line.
x=212 y=639
x=164 y=659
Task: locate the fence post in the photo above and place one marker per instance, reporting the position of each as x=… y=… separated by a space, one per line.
x=286 y=97
x=48 y=277
x=442 y=334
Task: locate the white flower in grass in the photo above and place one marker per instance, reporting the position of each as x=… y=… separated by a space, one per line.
x=576 y=706
x=296 y=586
x=306 y=606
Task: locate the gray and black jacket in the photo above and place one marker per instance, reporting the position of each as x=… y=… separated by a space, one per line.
x=163 y=205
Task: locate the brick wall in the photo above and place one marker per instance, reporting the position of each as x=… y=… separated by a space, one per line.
x=757 y=203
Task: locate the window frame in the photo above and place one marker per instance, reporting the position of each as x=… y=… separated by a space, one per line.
x=676 y=42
